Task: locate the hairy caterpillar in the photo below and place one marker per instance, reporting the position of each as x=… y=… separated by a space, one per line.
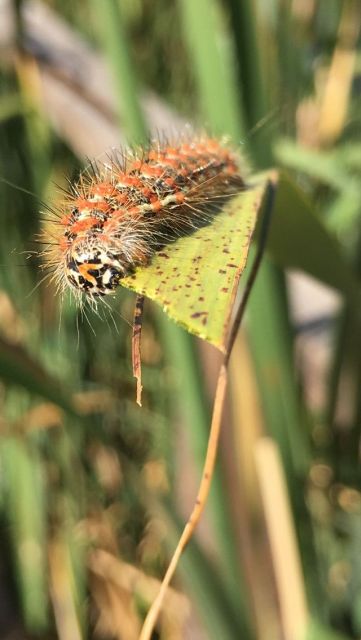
x=118 y=214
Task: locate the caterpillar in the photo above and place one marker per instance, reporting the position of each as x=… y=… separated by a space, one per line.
x=118 y=214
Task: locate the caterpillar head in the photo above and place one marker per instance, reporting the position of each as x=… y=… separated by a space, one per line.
x=93 y=270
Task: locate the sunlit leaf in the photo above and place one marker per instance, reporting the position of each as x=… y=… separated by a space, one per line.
x=195 y=279
x=322 y=166
x=299 y=239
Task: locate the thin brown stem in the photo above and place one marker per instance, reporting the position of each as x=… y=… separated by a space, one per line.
x=136 y=345
x=269 y=200
x=198 y=508
x=212 y=447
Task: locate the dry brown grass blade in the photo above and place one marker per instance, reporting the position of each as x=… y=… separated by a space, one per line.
x=284 y=551
x=136 y=345
x=43 y=416
x=61 y=580
x=338 y=85
x=245 y=504
x=115 y=580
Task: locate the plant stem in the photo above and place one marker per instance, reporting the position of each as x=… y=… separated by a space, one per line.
x=215 y=429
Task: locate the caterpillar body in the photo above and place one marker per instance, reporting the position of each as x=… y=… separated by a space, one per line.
x=118 y=214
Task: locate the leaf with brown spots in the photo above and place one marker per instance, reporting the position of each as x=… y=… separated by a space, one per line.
x=195 y=279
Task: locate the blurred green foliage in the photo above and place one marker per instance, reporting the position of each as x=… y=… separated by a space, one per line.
x=82 y=468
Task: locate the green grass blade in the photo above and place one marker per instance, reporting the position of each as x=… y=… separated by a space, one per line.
x=272 y=351
x=251 y=80
x=115 y=42
x=25 y=506
x=211 y=58
x=17 y=367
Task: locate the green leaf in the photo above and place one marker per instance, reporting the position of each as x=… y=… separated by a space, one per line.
x=195 y=279
x=330 y=167
x=323 y=166
x=298 y=239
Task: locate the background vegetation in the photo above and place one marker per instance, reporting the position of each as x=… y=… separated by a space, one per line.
x=93 y=489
